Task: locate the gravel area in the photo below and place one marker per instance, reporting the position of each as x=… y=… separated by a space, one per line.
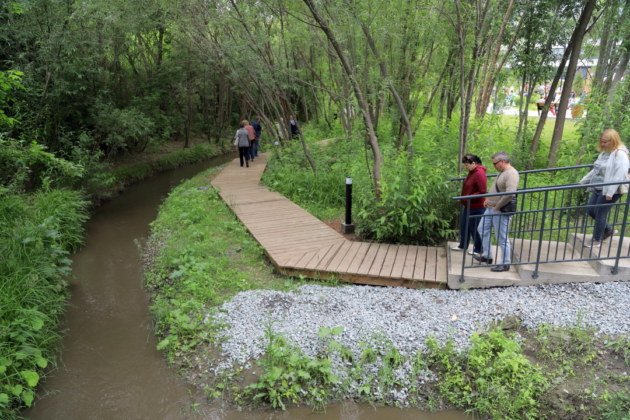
x=407 y=317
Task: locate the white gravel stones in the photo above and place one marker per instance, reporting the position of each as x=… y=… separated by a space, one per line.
x=407 y=317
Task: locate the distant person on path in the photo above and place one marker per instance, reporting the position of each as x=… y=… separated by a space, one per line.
x=610 y=166
x=241 y=139
x=256 y=143
x=251 y=135
x=494 y=217
x=540 y=105
x=293 y=127
x=476 y=182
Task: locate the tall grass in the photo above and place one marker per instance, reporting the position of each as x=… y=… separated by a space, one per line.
x=37 y=232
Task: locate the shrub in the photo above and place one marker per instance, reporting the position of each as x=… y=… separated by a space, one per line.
x=36 y=234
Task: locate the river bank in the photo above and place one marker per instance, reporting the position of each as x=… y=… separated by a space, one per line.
x=239 y=332
x=39 y=232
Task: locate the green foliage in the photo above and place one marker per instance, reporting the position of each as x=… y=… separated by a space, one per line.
x=415 y=204
x=10 y=81
x=321 y=192
x=29 y=166
x=202 y=257
x=124 y=130
x=288 y=376
x=494 y=379
x=615 y=406
x=36 y=234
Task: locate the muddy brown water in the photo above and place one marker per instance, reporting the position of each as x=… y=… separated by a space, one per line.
x=109 y=367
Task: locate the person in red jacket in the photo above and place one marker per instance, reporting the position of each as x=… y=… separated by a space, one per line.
x=476 y=182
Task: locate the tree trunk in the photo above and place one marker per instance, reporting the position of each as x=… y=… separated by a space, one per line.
x=579 y=32
x=365 y=109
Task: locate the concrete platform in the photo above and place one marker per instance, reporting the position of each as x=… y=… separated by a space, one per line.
x=522 y=274
x=608 y=248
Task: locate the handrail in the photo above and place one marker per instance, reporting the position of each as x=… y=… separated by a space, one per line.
x=539 y=189
x=551 y=224
x=535 y=171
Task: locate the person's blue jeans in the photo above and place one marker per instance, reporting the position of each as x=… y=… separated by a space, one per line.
x=495 y=220
x=473 y=224
x=599 y=212
x=253 y=149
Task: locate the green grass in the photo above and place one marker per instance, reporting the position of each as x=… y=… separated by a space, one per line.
x=107 y=183
x=203 y=257
x=37 y=232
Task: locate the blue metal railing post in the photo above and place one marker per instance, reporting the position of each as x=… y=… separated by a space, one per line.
x=615 y=269
x=467 y=210
x=540 y=235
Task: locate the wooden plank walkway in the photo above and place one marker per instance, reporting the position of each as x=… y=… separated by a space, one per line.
x=298 y=243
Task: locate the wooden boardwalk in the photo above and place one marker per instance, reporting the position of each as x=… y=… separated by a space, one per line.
x=298 y=243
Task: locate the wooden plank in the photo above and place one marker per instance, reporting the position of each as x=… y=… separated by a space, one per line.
x=294 y=259
x=441 y=274
x=358 y=258
x=321 y=253
x=429 y=271
x=388 y=262
x=410 y=262
x=399 y=263
x=341 y=254
x=323 y=263
x=305 y=259
x=421 y=260
x=366 y=264
x=377 y=264
x=354 y=248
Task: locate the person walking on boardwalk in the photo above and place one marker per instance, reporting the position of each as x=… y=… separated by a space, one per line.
x=241 y=140
x=610 y=166
x=498 y=213
x=476 y=182
x=256 y=143
x=293 y=127
x=251 y=136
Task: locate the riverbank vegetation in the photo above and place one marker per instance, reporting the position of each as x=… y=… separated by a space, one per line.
x=405 y=88
x=199 y=256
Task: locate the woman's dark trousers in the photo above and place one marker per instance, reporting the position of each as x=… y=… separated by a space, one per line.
x=243 y=153
x=473 y=223
x=599 y=212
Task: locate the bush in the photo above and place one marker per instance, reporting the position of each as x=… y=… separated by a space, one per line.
x=36 y=234
x=415 y=204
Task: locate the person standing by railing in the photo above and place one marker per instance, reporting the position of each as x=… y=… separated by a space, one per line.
x=476 y=182
x=494 y=217
x=610 y=166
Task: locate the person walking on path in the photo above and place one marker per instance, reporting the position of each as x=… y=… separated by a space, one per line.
x=610 y=166
x=256 y=143
x=241 y=140
x=494 y=217
x=476 y=182
x=293 y=127
x=251 y=136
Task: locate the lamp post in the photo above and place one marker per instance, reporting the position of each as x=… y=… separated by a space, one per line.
x=348 y=226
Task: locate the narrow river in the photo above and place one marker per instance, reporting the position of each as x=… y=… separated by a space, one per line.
x=109 y=366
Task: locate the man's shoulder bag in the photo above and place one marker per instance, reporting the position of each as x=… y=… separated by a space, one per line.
x=509 y=207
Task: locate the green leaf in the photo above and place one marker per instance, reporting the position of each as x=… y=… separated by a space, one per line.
x=31 y=377
x=17 y=390
x=41 y=362
x=28 y=397
x=164 y=343
x=4 y=399
x=37 y=324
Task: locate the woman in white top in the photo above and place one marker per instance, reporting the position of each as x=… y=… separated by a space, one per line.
x=611 y=166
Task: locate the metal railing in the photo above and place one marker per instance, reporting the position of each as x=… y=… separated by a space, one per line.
x=550 y=225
